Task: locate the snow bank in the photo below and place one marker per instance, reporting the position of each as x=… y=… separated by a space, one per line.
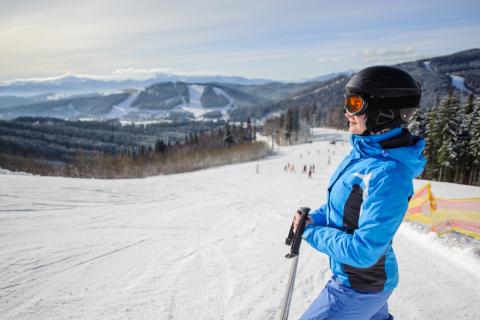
x=14 y=173
x=456 y=248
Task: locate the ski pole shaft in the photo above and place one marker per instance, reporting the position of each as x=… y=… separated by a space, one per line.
x=295 y=240
x=288 y=294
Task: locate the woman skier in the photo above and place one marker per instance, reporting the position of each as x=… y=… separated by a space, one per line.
x=367 y=197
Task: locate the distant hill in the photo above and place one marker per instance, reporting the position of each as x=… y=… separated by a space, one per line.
x=72 y=85
x=459 y=72
x=11 y=101
x=173 y=100
x=166 y=100
x=96 y=106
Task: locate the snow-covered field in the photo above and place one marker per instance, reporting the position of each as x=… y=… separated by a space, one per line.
x=201 y=245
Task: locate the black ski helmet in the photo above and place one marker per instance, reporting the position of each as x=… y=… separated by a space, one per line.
x=391 y=94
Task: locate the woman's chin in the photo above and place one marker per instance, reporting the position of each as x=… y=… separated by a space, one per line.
x=354 y=130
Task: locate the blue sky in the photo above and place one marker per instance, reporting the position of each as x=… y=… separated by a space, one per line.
x=275 y=39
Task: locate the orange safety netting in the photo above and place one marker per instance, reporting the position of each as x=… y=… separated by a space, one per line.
x=445 y=215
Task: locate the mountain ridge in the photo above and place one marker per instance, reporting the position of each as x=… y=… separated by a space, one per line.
x=71 y=84
x=459 y=71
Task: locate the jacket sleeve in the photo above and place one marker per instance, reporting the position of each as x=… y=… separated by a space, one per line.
x=381 y=214
x=319 y=216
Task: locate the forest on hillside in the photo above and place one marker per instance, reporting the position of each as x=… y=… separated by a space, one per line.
x=452 y=133
x=108 y=149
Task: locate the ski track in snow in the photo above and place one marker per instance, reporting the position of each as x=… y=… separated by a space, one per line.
x=200 y=245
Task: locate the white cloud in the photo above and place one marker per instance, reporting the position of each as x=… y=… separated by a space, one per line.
x=134 y=72
x=328 y=59
x=376 y=55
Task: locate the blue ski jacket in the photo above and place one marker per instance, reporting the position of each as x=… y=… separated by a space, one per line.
x=366 y=201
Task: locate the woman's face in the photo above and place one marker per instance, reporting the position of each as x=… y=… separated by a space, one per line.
x=356 y=124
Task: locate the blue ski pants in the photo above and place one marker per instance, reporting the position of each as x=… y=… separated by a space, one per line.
x=339 y=302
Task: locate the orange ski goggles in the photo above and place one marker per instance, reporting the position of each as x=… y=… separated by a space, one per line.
x=354 y=104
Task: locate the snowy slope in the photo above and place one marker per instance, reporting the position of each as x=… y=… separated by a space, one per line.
x=459 y=83
x=196 y=107
x=427 y=65
x=201 y=245
x=231 y=103
x=124 y=108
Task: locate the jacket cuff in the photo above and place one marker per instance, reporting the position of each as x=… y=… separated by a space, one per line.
x=308 y=231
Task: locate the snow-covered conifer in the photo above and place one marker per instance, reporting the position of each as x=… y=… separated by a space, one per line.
x=417 y=124
x=432 y=142
x=474 y=147
x=463 y=137
x=448 y=124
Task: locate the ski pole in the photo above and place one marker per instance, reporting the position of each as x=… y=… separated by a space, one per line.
x=293 y=239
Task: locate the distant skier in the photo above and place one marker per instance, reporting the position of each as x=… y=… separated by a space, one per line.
x=310 y=172
x=367 y=197
x=304 y=169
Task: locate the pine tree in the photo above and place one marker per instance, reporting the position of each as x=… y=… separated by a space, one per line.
x=296 y=123
x=143 y=150
x=289 y=125
x=228 y=136
x=474 y=150
x=448 y=124
x=431 y=145
x=417 y=124
x=160 y=146
x=280 y=131
x=464 y=119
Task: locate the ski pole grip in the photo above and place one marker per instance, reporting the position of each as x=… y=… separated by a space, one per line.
x=289 y=239
x=296 y=238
